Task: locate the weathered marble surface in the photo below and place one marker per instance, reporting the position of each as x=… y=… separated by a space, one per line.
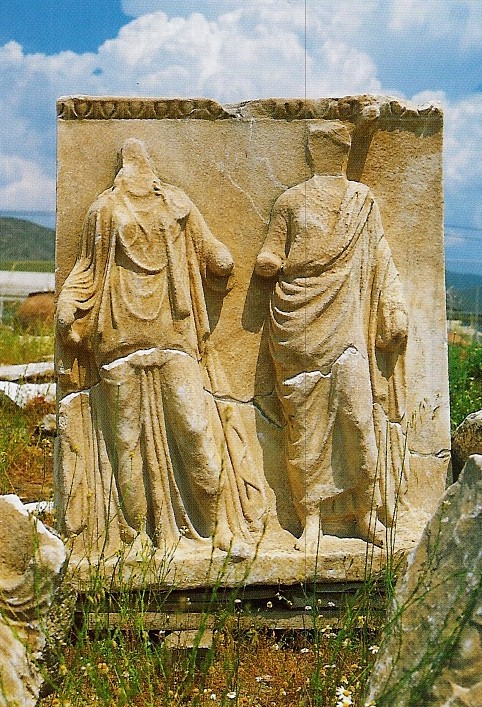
x=337 y=334
x=432 y=650
x=27 y=371
x=466 y=440
x=232 y=164
x=31 y=558
x=165 y=463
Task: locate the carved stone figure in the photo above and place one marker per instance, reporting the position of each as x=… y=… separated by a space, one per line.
x=147 y=455
x=337 y=333
x=31 y=558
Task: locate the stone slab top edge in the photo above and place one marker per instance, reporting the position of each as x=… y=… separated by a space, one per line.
x=363 y=109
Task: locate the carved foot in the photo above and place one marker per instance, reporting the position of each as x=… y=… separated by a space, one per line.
x=370 y=529
x=141 y=548
x=310 y=540
x=224 y=539
x=237 y=549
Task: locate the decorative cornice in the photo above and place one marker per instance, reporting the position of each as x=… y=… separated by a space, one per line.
x=354 y=109
x=360 y=110
x=113 y=108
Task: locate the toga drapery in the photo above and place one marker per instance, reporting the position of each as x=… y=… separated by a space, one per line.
x=331 y=317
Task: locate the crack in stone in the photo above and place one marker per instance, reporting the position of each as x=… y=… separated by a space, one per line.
x=221 y=166
x=251 y=402
x=440 y=454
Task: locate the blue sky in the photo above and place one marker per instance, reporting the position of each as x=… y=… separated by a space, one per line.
x=231 y=50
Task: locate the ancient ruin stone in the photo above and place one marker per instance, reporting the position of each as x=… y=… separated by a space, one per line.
x=250 y=333
x=431 y=652
x=28 y=371
x=30 y=561
x=466 y=440
x=24 y=393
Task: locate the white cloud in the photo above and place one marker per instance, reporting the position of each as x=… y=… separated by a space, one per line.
x=463 y=141
x=25 y=186
x=135 y=8
x=456 y=21
x=246 y=53
x=454 y=240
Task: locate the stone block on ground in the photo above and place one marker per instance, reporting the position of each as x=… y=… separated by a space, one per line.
x=24 y=393
x=431 y=652
x=466 y=440
x=28 y=371
x=31 y=558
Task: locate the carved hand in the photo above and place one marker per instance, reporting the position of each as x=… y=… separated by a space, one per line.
x=220 y=261
x=392 y=331
x=268 y=264
x=65 y=321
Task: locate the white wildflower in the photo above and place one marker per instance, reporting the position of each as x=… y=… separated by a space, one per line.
x=344 y=697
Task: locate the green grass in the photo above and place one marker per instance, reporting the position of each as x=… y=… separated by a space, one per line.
x=28 y=265
x=465 y=379
x=18 y=346
x=26 y=457
x=21 y=344
x=253 y=667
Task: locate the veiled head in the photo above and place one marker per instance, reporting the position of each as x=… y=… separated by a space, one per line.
x=137 y=175
x=135 y=156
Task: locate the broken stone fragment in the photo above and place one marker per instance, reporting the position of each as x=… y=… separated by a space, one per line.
x=28 y=371
x=24 y=393
x=48 y=424
x=31 y=558
x=431 y=653
x=466 y=440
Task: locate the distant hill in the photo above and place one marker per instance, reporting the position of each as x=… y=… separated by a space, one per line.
x=464 y=292
x=24 y=240
x=462 y=280
x=43 y=218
